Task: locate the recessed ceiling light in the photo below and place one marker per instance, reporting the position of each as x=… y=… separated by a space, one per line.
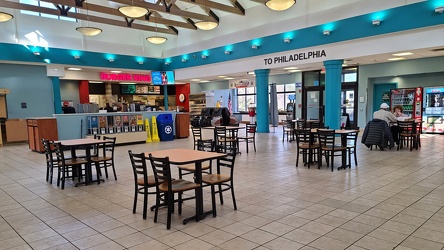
x=222 y=76
x=396 y=58
x=294 y=70
x=205 y=81
x=250 y=73
x=229 y=78
x=288 y=68
x=116 y=71
x=195 y=80
x=126 y=83
x=95 y=82
x=403 y=54
x=74 y=69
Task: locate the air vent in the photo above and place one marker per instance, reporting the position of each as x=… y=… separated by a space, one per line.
x=437 y=50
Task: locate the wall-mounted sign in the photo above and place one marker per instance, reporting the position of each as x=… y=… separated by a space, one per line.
x=244 y=83
x=118 y=77
x=139 y=89
x=163 y=77
x=295 y=57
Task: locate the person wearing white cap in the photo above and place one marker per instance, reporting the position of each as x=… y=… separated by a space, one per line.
x=388 y=117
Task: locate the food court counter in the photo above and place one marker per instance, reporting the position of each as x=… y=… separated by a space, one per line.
x=75 y=126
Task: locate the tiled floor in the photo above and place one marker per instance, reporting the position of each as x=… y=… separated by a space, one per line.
x=392 y=200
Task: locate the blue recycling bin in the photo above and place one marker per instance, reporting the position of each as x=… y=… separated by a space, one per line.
x=165 y=127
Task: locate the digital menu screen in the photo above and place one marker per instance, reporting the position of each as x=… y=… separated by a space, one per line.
x=162 y=77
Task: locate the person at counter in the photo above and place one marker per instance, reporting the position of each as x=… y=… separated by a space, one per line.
x=68 y=109
x=390 y=118
x=108 y=108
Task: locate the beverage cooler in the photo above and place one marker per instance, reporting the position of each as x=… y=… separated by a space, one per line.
x=434 y=110
x=410 y=99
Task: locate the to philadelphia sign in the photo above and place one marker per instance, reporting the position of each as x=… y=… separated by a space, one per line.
x=295 y=57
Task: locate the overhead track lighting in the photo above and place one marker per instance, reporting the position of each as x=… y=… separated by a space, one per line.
x=254 y=46
x=5 y=17
x=287 y=40
x=227 y=52
x=279 y=5
x=326 y=32
x=439 y=9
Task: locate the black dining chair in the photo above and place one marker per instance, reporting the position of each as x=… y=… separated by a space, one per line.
x=223 y=178
x=328 y=146
x=67 y=167
x=167 y=185
x=142 y=180
x=352 y=139
x=250 y=136
x=197 y=135
x=307 y=147
x=51 y=160
x=106 y=159
x=408 y=135
x=206 y=166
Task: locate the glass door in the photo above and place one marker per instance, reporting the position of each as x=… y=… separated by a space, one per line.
x=348 y=104
x=314 y=103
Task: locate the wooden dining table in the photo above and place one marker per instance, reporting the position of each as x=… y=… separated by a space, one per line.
x=230 y=129
x=86 y=143
x=182 y=156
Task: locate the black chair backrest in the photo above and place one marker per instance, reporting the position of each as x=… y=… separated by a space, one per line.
x=407 y=127
x=109 y=145
x=138 y=163
x=58 y=151
x=47 y=149
x=197 y=133
x=301 y=124
x=251 y=129
x=315 y=124
x=326 y=137
x=205 y=145
x=302 y=136
x=227 y=161
x=162 y=170
x=220 y=134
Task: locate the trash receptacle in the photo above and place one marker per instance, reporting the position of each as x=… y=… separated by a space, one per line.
x=165 y=127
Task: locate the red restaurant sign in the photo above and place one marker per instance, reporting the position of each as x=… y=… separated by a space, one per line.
x=125 y=77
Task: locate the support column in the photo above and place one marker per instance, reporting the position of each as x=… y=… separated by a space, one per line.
x=262 y=100
x=165 y=97
x=56 y=94
x=332 y=104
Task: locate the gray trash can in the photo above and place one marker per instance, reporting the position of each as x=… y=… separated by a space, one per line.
x=165 y=127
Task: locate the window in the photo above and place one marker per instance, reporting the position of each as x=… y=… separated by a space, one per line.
x=46 y=5
x=283 y=92
x=245 y=96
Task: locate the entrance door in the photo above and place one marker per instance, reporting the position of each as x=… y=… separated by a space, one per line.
x=349 y=102
x=381 y=93
x=314 y=103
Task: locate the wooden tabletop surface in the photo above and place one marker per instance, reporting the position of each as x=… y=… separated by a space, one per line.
x=77 y=142
x=184 y=155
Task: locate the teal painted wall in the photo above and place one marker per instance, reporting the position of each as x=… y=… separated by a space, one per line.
x=28 y=84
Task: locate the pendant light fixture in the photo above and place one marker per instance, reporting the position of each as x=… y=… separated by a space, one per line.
x=206 y=24
x=88 y=30
x=279 y=5
x=5 y=17
x=133 y=11
x=156 y=39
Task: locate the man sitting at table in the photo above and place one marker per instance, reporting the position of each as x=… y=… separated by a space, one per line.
x=388 y=117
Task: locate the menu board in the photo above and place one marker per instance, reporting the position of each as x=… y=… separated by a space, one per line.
x=139 y=89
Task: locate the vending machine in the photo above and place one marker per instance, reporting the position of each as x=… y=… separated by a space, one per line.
x=410 y=99
x=433 y=110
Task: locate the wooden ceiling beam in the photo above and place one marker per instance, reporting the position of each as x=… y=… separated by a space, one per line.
x=56 y=12
x=213 y=5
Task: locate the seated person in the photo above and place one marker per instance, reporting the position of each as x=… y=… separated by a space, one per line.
x=397 y=111
x=388 y=117
x=68 y=109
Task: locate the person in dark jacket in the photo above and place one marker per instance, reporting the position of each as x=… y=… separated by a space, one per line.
x=108 y=108
x=225 y=117
x=68 y=109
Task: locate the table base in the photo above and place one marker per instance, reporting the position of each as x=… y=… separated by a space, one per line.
x=197 y=218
